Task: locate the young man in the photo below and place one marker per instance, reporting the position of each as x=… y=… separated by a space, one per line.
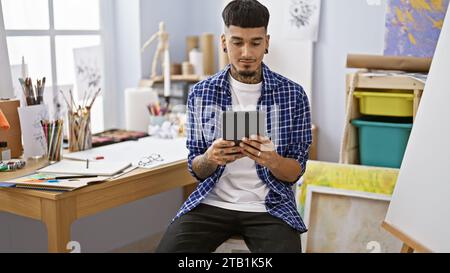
x=247 y=189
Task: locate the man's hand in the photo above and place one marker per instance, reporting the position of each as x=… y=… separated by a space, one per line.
x=220 y=153
x=223 y=152
x=262 y=151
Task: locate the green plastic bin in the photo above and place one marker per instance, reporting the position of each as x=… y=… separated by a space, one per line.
x=382 y=141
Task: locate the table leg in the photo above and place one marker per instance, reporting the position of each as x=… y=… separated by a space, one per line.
x=187 y=190
x=58 y=216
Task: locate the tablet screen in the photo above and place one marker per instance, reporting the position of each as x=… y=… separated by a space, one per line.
x=237 y=125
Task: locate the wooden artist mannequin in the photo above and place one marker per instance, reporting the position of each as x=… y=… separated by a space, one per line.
x=163 y=45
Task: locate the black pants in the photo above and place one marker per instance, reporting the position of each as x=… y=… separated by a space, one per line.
x=206 y=227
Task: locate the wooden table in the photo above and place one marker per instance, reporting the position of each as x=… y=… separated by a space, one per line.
x=58 y=210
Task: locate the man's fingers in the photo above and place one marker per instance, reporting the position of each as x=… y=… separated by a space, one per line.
x=260 y=139
x=229 y=158
x=226 y=151
x=233 y=150
x=252 y=143
x=268 y=147
x=261 y=143
x=220 y=143
x=250 y=149
x=239 y=156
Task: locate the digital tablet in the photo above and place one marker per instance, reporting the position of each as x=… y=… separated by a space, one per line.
x=239 y=124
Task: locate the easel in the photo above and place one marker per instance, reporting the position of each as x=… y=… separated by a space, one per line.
x=406 y=249
x=409 y=244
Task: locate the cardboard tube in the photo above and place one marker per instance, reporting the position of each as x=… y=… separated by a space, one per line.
x=207 y=43
x=410 y=64
x=175 y=69
x=187 y=69
x=191 y=43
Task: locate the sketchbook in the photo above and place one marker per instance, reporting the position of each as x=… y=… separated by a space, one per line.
x=48 y=181
x=170 y=150
x=103 y=168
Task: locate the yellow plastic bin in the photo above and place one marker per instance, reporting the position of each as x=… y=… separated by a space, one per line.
x=385 y=103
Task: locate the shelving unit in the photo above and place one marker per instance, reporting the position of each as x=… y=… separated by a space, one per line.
x=185 y=80
x=173 y=78
x=377 y=83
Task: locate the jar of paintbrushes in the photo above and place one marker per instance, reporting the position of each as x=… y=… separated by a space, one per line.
x=80 y=134
x=33 y=96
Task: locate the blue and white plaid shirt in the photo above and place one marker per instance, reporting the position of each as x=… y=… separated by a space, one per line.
x=288 y=125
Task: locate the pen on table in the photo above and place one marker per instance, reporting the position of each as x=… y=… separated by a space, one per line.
x=87 y=163
x=96 y=158
x=69 y=177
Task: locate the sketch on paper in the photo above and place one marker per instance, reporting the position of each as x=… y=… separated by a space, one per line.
x=301 y=12
x=302 y=20
x=88 y=69
x=413 y=27
x=34 y=142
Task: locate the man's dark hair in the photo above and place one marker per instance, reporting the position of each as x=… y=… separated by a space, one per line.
x=246 y=14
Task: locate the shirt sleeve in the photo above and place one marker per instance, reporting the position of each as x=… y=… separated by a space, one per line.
x=195 y=142
x=301 y=136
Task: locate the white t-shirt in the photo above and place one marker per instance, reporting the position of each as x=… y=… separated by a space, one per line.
x=239 y=187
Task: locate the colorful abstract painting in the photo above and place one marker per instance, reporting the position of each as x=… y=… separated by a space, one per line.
x=347 y=177
x=413 y=27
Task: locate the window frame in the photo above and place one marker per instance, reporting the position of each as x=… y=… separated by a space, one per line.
x=106 y=37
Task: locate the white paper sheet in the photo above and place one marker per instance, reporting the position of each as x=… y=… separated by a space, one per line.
x=104 y=168
x=88 y=63
x=34 y=143
x=302 y=20
x=170 y=150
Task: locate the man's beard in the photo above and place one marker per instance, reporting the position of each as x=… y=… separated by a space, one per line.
x=245 y=74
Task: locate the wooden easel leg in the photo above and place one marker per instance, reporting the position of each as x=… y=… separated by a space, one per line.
x=416 y=102
x=58 y=216
x=407 y=249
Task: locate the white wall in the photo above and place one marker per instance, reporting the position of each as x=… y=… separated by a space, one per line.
x=6 y=87
x=350 y=26
x=127 y=47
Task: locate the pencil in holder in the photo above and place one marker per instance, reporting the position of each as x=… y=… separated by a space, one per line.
x=80 y=134
x=53 y=132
